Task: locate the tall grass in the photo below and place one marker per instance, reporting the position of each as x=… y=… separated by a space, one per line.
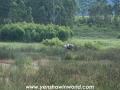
x=87 y=64
x=6 y=52
x=83 y=50
x=103 y=75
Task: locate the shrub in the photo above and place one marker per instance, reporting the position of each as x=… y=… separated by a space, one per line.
x=42 y=35
x=34 y=32
x=90 y=45
x=52 y=35
x=63 y=35
x=5 y=33
x=78 y=46
x=12 y=33
x=17 y=33
x=119 y=36
x=53 y=41
x=27 y=36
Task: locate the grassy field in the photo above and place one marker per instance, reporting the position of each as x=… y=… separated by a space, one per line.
x=93 y=62
x=103 y=74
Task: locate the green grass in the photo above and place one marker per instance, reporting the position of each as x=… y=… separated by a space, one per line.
x=103 y=43
x=84 y=30
x=103 y=75
x=38 y=51
x=94 y=61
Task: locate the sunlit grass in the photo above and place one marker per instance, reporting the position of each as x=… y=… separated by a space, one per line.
x=104 y=44
x=38 y=51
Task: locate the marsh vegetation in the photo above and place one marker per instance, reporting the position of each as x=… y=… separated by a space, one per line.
x=92 y=62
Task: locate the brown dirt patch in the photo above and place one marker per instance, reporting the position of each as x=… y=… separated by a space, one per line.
x=7 y=61
x=10 y=61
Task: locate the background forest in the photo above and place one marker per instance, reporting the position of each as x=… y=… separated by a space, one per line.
x=58 y=12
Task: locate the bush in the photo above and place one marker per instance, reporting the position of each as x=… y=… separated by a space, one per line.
x=30 y=32
x=63 y=35
x=5 y=33
x=17 y=33
x=27 y=36
x=91 y=45
x=52 y=35
x=118 y=37
x=42 y=35
x=53 y=41
x=12 y=33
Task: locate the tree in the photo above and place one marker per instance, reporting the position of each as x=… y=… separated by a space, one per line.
x=12 y=15
x=18 y=12
x=59 y=12
x=116 y=1
x=100 y=11
x=84 y=5
x=70 y=7
x=116 y=9
x=29 y=17
x=21 y=11
x=4 y=10
x=40 y=12
x=54 y=7
x=107 y=12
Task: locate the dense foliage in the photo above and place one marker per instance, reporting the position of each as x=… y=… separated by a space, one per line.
x=53 y=41
x=30 y=32
x=100 y=12
x=60 y=12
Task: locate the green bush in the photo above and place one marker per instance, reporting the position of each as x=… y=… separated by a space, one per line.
x=17 y=33
x=65 y=33
x=30 y=32
x=91 y=45
x=27 y=36
x=118 y=37
x=42 y=35
x=12 y=33
x=52 y=35
x=53 y=41
x=5 y=33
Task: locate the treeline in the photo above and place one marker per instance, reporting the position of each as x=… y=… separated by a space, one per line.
x=100 y=12
x=58 y=12
x=30 y=32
